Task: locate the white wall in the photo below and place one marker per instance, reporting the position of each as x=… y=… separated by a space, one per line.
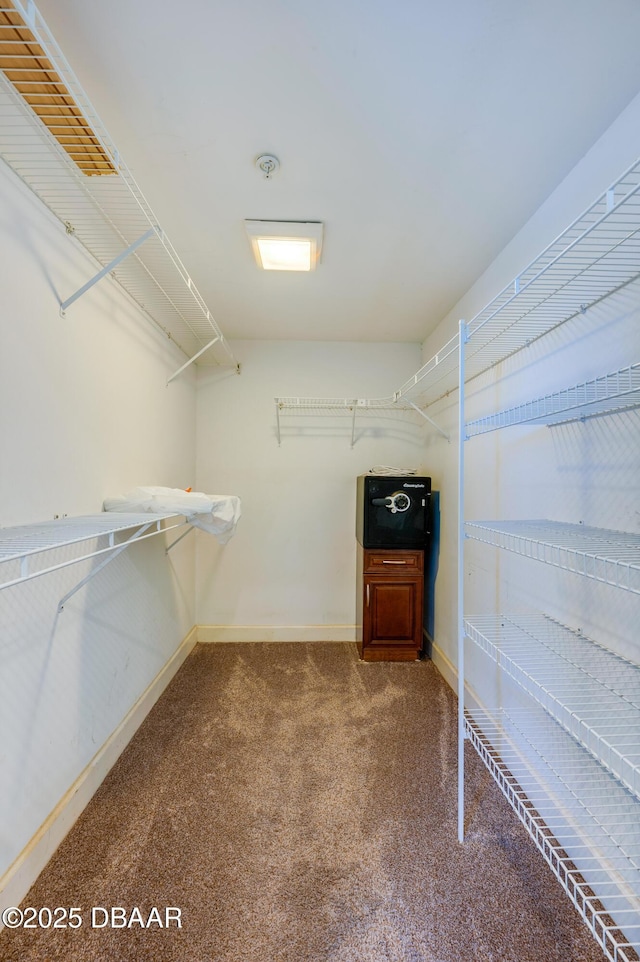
x=292 y=560
x=84 y=413
x=584 y=472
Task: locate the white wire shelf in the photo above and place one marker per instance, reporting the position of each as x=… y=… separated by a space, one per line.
x=108 y=213
x=21 y=546
x=598 y=254
x=585 y=823
x=592 y=692
x=338 y=405
x=354 y=408
x=612 y=393
x=612 y=557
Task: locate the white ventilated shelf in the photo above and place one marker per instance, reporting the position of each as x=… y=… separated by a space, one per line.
x=612 y=393
x=592 y=692
x=24 y=548
x=353 y=408
x=612 y=557
x=335 y=404
x=598 y=254
x=585 y=823
x=106 y=212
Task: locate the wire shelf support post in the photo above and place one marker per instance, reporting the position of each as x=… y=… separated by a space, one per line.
x=462 y=340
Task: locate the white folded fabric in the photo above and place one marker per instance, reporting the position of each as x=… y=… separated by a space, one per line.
x=218 y=514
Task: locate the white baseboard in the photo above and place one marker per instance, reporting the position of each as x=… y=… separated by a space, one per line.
x=217 y=633
x=20 y=876
x=450 y=674
x=445 y=666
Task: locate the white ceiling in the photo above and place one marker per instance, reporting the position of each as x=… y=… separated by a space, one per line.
x=422 y=133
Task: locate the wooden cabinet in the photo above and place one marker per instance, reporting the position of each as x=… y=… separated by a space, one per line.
x=390 y=604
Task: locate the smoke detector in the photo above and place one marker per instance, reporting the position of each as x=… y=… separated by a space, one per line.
x=268 y=164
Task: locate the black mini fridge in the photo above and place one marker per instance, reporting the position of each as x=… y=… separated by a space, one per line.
x=393 y=511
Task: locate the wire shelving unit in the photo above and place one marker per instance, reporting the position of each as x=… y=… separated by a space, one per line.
x=566 y=754
x=54 y=140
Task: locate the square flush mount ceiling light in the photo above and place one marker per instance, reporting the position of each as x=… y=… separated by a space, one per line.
x=280 y=245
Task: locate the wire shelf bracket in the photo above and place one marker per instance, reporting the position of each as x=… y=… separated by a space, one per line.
x=21 y=545
x=191 y=360
x=179 y=538
x=137 y=536
x=107 y=270
x=433 y=424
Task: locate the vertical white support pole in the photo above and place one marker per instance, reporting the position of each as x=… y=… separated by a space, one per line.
x=278 y=421
x=462 y=340
x=353 y=424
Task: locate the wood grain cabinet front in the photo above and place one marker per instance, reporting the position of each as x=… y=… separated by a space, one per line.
x=390 y=608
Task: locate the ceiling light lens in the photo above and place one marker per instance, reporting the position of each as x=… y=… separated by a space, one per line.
x=284 y=255
x=285 y=245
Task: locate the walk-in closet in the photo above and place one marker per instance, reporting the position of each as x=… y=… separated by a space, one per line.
x=319 y=499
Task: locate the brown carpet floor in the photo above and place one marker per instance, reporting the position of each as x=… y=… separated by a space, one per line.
x=298 y=805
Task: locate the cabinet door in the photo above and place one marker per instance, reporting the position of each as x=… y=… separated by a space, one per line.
x=392 y=613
